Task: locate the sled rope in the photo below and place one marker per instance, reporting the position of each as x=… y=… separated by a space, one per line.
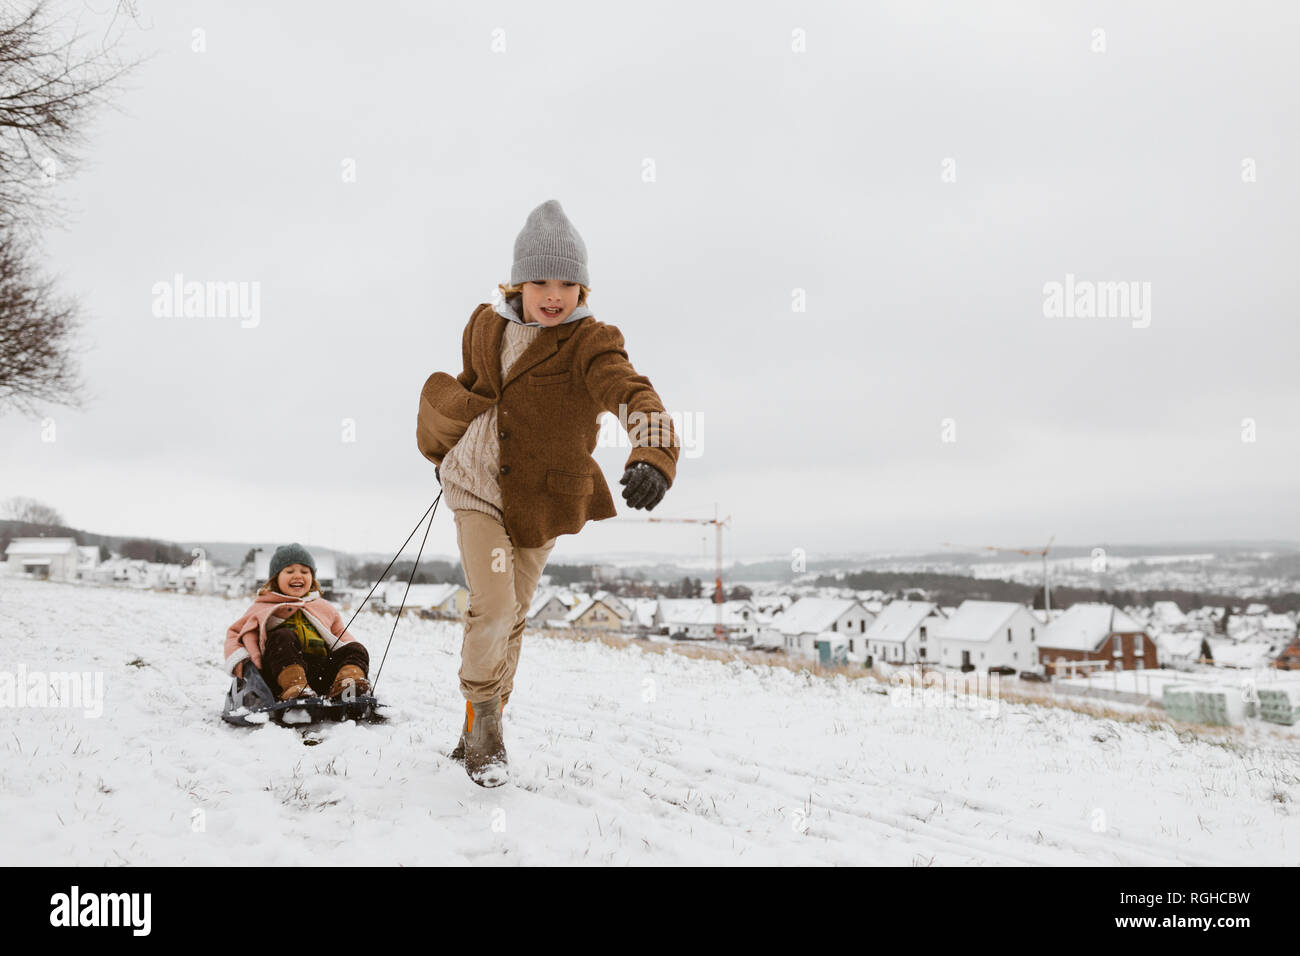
x=427 y=514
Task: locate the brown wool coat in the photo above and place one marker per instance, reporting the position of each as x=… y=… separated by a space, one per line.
x=547 y=420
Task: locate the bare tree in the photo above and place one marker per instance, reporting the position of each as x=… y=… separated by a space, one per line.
x=31 y=511
x=37 y=334
x=47 y=89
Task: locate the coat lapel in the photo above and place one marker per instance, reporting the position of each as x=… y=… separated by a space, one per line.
x=539 y=350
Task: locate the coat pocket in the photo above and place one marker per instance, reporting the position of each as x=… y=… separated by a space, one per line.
x=567 y=483
x=557 y=378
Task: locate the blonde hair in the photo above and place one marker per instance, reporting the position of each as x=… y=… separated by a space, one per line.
x=508 y=290
x=273 y=584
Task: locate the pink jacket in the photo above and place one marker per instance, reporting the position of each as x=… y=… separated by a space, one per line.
x=246 y=638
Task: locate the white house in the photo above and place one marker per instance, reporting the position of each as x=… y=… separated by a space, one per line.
x=697 y=618
x=1184 y=649
x=903 y=633
x=1248 y=655
x=87 y=561
x=55 y=559
x=984 y=634
x=1168 y=616
x=447 y=598
x=806 y=619
x=1277 y=627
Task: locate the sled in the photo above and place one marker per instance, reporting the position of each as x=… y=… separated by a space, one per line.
x=250 y=703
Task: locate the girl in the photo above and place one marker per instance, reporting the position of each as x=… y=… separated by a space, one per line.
x=295 y=638
x=515 y=431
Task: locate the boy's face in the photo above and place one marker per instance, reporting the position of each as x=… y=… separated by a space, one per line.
x=541 y=294
x=295 y=580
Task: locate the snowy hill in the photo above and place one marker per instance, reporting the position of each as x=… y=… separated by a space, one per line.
x=619 y=756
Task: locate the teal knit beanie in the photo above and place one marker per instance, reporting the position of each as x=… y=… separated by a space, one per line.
x=288 y=554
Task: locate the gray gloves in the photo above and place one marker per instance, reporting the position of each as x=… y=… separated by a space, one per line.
x=644 y=485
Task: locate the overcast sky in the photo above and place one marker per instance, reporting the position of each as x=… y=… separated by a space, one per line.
x=715 y=158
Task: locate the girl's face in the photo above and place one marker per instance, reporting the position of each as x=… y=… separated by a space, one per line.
x=540 y=295
x=295 y=580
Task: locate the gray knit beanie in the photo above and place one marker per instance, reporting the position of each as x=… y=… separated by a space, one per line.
x=548 y=247
x=288 y=554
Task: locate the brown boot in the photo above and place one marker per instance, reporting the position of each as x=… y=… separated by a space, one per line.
x=485 y=750
x=349 y=676
x=459 y=752
x=293 y=683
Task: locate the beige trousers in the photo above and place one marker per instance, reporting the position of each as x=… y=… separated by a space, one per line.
x=501 y=580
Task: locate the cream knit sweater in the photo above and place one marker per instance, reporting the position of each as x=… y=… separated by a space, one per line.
x=469 y=470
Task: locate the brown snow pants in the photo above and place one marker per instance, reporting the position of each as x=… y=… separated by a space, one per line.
x=501 y=579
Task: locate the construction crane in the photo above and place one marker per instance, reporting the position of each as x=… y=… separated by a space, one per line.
x=1047 y=596
x=719 y=631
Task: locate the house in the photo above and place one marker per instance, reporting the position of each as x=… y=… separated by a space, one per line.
x=832 y=648
x=902 y=634
x=984 y=634
x=615 y=603
x=1097 y=632
x=1168 y=616
x=87 y=561
x=199 y=577
x=1277 y=627
x=1289 y=658
x=698 y=618
x=809 y=617
x=1246 y=655
x=550 y=604
x=642 y=621
x=593 y=613
x=52 y=559
x=448 y=599
x=1182 y=650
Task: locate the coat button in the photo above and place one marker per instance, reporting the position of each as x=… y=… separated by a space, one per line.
x=501 y=434
x=505 y=469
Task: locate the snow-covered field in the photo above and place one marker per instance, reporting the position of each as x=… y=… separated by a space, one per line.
x=619 y=756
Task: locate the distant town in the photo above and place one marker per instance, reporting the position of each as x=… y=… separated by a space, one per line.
x=1193 y=655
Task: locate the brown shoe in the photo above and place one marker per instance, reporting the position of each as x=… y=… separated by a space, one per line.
x=293 y=683
x=458 y=753
x=349 y=676
x=485 y=750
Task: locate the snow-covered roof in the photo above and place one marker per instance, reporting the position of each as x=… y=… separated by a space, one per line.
x=53 y=546
x=1168 y=613
x=1278 y=622
x=700 y=611
x=643 y=611
x=812 y=615
x=898 y=620
x=1182 y=645
x=614 y=603
x=419 y=595
x=1244 y=654
x=978 y=620
x=584 y=606
x=1085 y=626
